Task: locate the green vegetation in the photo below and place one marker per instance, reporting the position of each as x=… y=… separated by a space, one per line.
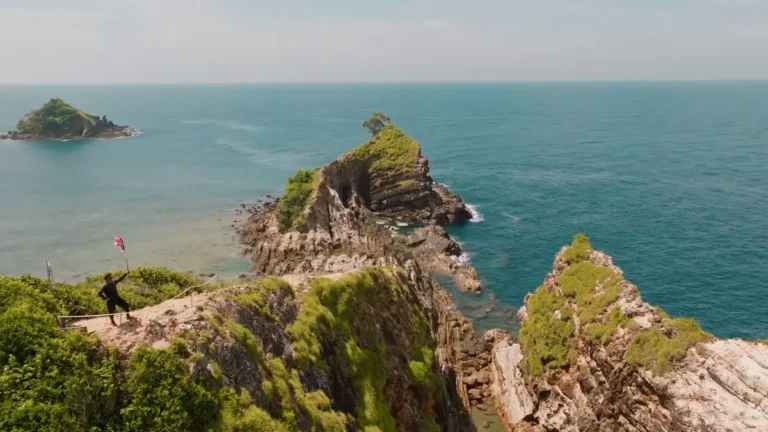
x=603 y=332
x=298 y=190
x=546 y=335
x=163 y=397
x=66 y=381
x=56 y=119
x=376 y=123
x=579 y=250
x=240 y=415
x=654 y=350
x=144 y=286
x=288 y=403
x=581 y=281
x=390 y=152
x=405 y=183
x=54 y=380
x=260 y=290
x=337 y=322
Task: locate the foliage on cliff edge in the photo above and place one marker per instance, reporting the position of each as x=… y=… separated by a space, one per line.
x=298 y=191
x=57 y=380
x=586 y=304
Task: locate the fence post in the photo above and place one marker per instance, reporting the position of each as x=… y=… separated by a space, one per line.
x=50 y=272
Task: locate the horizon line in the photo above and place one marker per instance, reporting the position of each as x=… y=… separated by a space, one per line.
x=521 y=81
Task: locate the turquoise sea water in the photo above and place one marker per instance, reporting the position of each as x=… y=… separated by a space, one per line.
x=669 y=178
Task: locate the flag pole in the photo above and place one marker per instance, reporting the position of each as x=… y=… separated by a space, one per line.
x=125 y=254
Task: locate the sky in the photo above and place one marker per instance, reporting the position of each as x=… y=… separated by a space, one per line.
x=243 y=41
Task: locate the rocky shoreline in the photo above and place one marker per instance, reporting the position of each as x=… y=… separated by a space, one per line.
x=592 y=356
x=114 y=132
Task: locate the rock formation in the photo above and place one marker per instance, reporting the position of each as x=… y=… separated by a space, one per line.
x=58 y=121
x=376 y=370
x=594 y=357
x=346 y=219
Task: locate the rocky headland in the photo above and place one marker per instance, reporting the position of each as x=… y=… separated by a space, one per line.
x=58 y=121
x=345 y=215
x=591 y=355
x=351 y=332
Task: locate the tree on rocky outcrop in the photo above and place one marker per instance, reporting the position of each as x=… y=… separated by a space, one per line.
x=377 y=122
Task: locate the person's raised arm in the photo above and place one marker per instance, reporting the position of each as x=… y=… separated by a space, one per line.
x=122 y=277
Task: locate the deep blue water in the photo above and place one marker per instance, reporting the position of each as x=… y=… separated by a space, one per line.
x=669 y=178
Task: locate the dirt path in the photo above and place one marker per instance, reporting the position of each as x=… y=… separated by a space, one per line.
x=156 y=325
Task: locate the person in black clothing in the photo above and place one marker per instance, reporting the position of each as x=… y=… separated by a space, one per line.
x=109 y=293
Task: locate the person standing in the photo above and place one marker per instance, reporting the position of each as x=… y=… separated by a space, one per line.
x=109 y=293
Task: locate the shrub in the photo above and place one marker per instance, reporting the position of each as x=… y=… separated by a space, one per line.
x=298 y=190
x=238 y=414
x=163 y=398
x=603 y=332
x=580 y=282
x=655 y=351
x=547 y=340
x=579 y=249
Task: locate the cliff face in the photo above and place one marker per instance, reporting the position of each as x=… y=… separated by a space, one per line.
x=593 y=356
x=351 y=352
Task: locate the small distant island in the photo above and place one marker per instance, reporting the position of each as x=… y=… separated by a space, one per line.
x=60 y=121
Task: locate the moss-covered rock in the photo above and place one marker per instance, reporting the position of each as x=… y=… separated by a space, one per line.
x=346 y=324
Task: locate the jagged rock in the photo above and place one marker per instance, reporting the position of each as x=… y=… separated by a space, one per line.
x=340 y=228
x=720 y=385
x=439 y=253
x=513 y=401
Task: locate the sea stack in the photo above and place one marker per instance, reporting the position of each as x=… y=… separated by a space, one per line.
x=345 y=215
x=56 y=120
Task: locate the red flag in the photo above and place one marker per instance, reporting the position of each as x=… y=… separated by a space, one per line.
x=120 y=245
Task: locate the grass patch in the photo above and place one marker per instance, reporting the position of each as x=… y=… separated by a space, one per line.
x=390 y=152
x=547 y=340
x=655 y=351
x=144 y=286
x=259 y=292
x=579 y=249
x=405 y=183
x=298 y=190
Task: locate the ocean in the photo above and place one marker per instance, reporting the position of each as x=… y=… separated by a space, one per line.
x=670 y=178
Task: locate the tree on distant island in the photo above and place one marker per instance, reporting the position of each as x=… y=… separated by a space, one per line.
x=377 y=122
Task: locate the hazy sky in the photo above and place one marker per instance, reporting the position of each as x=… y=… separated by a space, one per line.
x=162 y=41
